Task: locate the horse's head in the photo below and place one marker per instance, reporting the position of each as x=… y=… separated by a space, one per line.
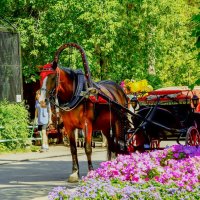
x=48 y=78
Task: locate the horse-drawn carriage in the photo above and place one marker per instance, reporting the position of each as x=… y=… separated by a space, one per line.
x=165 y=114
x=88 y=105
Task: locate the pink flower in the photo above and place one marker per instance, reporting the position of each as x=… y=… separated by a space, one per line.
x=184 y=171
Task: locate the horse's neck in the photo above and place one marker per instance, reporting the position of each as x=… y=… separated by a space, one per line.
x=66 y=84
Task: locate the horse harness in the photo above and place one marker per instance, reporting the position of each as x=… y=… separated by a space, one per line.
x=81 y=91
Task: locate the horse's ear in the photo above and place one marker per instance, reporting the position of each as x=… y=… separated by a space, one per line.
x=54 y=65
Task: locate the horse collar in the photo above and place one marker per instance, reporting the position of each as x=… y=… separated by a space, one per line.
x=78 y=86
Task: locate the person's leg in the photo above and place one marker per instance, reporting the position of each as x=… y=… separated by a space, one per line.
x=104 y=140
x=40 y=134
x=45 y=144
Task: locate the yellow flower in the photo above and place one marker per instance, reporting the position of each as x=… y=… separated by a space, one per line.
x=137 y=86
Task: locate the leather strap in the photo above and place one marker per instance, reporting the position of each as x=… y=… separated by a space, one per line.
x=79 y=87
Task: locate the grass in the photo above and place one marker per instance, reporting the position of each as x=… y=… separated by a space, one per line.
x=31 y=148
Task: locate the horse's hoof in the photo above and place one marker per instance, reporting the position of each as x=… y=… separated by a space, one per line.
x=73 y=178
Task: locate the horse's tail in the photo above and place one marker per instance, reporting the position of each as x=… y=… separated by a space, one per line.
x=110 y=147
x=109 y=152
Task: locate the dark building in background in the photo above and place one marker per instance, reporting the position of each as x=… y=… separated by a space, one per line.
x=11 y=87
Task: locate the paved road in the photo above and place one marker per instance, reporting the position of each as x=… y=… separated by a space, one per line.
x=25 y=176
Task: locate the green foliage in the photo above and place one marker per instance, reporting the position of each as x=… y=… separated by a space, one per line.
x=197 y=82
x=196 y=31
x=153 y=173
x=122 y=39
x=164 y=161
x=14 y=120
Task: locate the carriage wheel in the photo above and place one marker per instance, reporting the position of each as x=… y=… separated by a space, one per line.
x=136 y=143
x=132 y=143
x=155 y=143
x=192 y=136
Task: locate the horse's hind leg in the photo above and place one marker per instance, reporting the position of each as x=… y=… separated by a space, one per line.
x=75 y=166
x=110 y=143
x=88 y=148
x=113 y=143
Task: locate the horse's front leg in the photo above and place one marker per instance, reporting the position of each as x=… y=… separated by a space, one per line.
x=88 y=148
x=74 y=177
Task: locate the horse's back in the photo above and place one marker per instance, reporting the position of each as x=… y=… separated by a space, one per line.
x=114 y=91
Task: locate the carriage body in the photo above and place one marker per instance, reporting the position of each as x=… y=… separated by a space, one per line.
x=166 y=114
x=173 y=105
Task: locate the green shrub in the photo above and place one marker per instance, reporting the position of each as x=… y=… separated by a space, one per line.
x=14 y=119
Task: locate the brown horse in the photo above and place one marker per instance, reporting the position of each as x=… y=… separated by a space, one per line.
x=81 y=108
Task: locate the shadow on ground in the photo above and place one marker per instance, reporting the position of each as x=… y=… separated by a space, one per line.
x=30 y=179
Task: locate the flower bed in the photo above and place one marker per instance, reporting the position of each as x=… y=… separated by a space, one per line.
x=173 y=173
